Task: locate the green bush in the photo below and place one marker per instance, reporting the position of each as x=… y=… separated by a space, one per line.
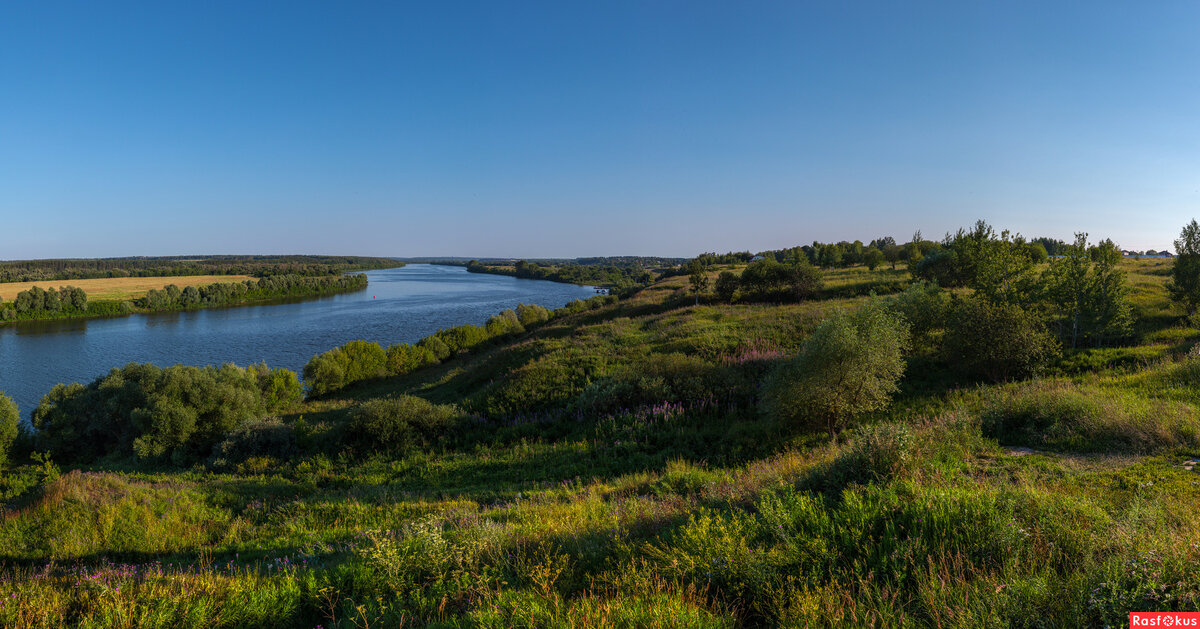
x=10 y=421
x=532 y=314
x=850 y=365
x=507 y=322
x=401 y=424
x=436 y=348
x=177 y=412
x=281 y=388
x=263 y=438
x=463 y=337
x=345 y=365
x=924 y=306
x=997 y=341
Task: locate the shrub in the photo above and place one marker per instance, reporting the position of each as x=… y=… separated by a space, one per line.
x=462 y=337
x=436 y=347
x=176 y=412
x=923 y=305
x=403 y=358
x=727 y=285
x=345 y=365
x=997 y=341
x=401 y=424
x=532 y=314
x=850 y=365
x=10 y=419
x=657 y=378
x=263 y=438
x=504 y=323
x=281 y=388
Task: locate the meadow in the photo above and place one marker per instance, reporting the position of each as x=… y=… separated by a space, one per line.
x=120 y=288
x=612 y=467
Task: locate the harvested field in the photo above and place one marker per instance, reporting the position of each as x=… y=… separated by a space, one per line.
x=120 y=287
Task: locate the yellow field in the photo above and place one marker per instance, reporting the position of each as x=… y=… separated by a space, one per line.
x=121 y=288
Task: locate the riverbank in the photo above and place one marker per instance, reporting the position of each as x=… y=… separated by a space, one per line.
x=38 y=304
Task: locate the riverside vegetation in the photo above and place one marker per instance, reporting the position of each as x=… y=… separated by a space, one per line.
x=985 y=438
x=279 y=277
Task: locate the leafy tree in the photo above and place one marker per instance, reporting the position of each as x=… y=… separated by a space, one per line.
x=10 y=421
x=1001 y=268
x=1036 y=252
x=851 y=364
x=998 y=341
x=727 y=285
x=1184 y=285
x=912 y=252
x=1086 y=293
x=873 y=257
x=698 y=277
x=924 y=306
x=892 y=253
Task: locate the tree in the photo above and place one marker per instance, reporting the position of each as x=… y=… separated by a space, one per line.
x=1086 y=292
x=891 y=253
x=998 y=341
x=851 y=364
x=1184 y=285
x=10 y=419
x=727 y=285
x=698 y=277
x=872 y=257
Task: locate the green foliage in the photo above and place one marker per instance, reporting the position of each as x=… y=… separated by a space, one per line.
x=342 y=366
x=10 y=421
x=1184 y=286
x=997 y=341
x=768 y=279
x=176 y=412
x=873 y=257
x=532 y=314
x=266 y=438
x=850 y=365
x=1087 y=295
x=924 y=306
x=401 y=424
x=727 y=285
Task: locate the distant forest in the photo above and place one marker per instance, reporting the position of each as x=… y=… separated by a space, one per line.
x=257 y=266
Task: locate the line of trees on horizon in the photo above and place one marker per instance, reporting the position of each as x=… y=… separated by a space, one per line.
x=174 y=266
x=68 y=301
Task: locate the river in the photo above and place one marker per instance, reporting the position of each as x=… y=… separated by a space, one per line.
x=399 y=305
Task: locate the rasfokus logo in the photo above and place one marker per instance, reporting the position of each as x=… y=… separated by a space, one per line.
x=1164 y=619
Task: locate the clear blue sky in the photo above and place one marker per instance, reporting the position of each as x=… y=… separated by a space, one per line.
x=604 y=128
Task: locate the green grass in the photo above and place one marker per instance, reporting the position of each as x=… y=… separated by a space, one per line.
x=612 y=468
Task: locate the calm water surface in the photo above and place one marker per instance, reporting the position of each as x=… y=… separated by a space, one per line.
x=399 y=305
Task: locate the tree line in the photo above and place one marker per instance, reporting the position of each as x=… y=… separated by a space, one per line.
x=610 y=276
x=258 y=266
x=68 y=301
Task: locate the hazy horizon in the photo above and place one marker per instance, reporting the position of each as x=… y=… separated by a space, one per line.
x=543 y=130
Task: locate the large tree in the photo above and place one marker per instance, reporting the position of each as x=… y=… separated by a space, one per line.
x=1185 y=274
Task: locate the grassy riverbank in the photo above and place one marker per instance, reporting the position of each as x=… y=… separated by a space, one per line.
x=611 y=467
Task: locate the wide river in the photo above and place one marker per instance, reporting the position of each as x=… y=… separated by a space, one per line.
x=399 y=305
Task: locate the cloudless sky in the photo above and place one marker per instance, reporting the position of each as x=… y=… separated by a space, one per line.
x=539 y=129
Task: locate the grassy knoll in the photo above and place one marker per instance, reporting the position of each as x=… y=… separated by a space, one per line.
x=612 y=468
x=121 y=288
